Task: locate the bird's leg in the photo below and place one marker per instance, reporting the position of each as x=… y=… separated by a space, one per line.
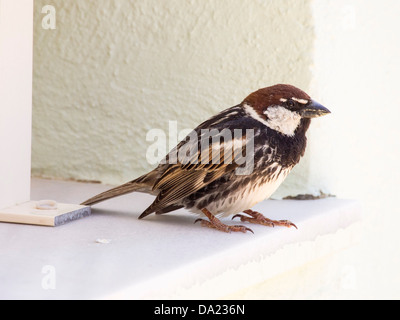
x=258 y=218
x=215 y=223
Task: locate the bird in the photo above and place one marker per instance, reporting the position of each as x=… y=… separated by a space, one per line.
x=206 y=173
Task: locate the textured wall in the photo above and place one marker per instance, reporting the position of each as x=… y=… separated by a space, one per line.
x=114 y=69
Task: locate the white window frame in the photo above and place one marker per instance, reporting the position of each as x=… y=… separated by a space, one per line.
x=16 y=47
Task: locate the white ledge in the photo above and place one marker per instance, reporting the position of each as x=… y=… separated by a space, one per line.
x=111 y=254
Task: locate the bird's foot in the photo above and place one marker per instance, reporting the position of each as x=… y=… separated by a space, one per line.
x=223 y=227
x=258 y=218
x=215 y=223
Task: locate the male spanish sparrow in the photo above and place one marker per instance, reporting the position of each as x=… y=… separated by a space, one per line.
x=206 y=174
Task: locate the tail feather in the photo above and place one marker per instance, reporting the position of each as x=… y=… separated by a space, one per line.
x=142 y=184
x=115 y=192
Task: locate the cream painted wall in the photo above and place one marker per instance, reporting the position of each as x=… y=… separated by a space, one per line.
x=16 y=100
x=113 y=70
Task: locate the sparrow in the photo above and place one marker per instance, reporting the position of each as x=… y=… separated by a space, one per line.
x=206 y=172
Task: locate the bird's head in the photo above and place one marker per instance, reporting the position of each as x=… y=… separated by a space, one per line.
x=282 y=107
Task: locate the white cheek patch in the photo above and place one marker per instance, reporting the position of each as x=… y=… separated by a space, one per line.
x=278 y=118
x=282 y=120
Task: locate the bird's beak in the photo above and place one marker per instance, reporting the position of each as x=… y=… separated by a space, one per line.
x=313 y=109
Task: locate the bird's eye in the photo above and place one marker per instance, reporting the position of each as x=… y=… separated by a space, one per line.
x=290 y=103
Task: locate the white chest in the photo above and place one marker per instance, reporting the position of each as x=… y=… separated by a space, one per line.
x=246 y=197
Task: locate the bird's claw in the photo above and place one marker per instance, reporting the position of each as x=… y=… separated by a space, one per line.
x=258 y=218
x=223 y=227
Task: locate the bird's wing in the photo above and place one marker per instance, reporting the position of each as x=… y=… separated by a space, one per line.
x=198 y=164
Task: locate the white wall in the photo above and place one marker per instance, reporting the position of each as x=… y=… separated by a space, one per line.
x=356 y=75
x=16 y=32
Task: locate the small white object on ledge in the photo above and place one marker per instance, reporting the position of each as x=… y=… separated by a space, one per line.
x=103 y=241
x=46 y=205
